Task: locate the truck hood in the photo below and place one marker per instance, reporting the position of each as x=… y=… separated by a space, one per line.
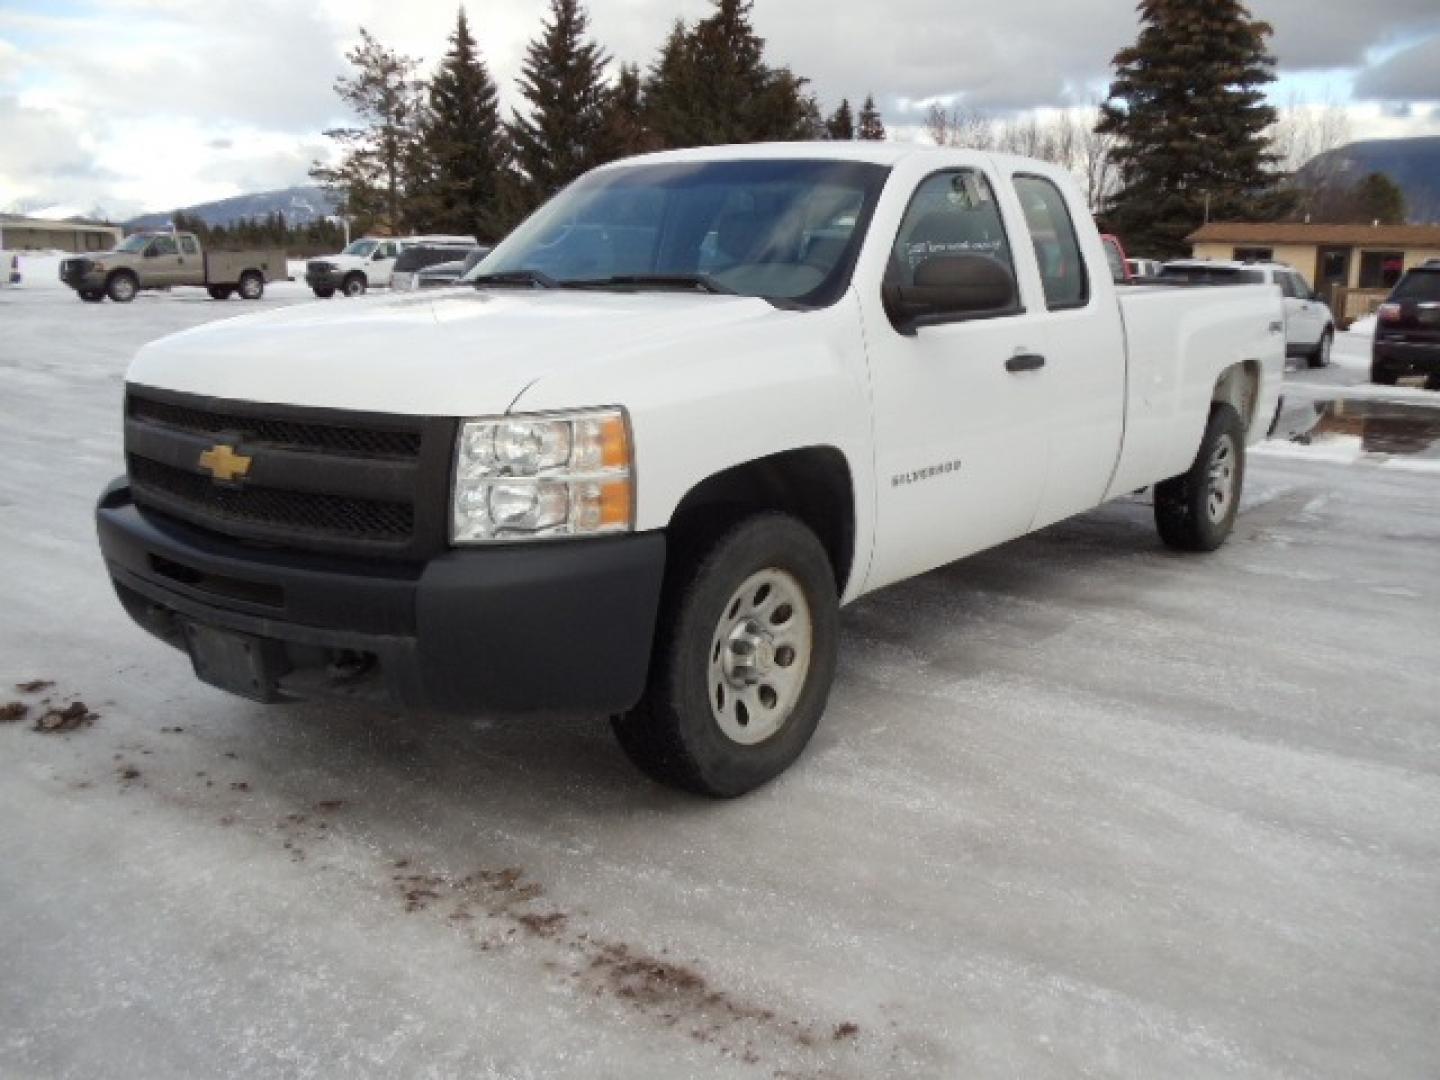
x=464 y=353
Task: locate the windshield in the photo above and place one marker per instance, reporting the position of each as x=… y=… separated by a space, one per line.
x=361 y=247
x=1418 y=285
x=134 y=244
x=1213 y=275
x=781 y=230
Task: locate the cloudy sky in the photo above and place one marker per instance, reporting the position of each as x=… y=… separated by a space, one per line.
x=151 y=104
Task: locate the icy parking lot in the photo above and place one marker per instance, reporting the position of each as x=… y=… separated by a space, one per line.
x=1080 y=806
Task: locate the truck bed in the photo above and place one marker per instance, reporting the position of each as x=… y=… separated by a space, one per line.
x=225 y=267
x=1169 y=382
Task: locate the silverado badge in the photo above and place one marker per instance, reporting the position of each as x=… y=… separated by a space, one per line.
x=224 y=464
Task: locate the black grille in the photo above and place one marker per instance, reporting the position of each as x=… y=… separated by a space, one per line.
x=326 y=480
x=359 y=442
x=310 y=512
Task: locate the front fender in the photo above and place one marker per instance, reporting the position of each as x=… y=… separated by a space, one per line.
x=784 y=381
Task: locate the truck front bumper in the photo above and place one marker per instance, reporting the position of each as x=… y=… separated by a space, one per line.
x=563 y=626
x=324 y=279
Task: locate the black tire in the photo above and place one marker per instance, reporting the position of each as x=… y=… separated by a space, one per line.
x=1382 y=378
x=122 y=287
x=219 y=292
x=354 y=284
x=323 y=294
x=92 y=296
x=1320 y=358
x=252 y=285
x=674 y=735
x=1432 y=382
x=1189 y=513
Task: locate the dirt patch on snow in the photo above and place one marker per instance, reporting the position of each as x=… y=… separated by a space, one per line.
x=72 y=717
x=34 y=686
x=13 y=712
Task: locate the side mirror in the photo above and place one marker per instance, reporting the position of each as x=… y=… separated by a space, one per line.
x=377 y=256
x=951 y=287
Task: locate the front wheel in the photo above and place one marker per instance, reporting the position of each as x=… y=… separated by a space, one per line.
x=122 y=287
x=1196 y=510
x=354 y=285
x=1321 y=356
x=92 y=296
x=219 y=292
x=323 y=292
x=252 y=285
x=744 y=658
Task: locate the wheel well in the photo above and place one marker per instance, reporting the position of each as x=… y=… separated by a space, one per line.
x=1239 y=386
x=812 y=484
x=355 y=274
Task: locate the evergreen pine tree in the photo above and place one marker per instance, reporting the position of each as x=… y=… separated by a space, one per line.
x=711 y=85
x=368 y=182
x=461 y=144
x=563 y=79
x=625 y=133
x=870 y=127
x=1378 y=198
x=841 y=124
x=1187 y=108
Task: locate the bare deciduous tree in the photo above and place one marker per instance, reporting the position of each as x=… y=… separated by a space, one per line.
x=1066 y=138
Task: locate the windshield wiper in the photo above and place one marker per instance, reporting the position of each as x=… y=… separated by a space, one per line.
x=533 y=278
x=703 y=282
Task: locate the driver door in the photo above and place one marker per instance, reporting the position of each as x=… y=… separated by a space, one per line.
x=961 y=445
x=162 y=262
x=382 y=263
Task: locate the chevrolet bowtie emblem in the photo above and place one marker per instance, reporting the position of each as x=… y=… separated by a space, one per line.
x=224 y=464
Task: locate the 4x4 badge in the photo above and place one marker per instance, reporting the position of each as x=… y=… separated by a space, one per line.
x=224 y=464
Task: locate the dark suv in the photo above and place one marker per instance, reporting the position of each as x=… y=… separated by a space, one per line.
x=1407 y=330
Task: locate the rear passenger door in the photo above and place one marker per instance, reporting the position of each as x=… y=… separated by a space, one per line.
x=191 y=264
x=1080 y=330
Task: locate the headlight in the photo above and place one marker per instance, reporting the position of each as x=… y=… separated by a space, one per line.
x=531 y=477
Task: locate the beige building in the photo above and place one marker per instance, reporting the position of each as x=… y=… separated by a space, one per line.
x=1352 y=266
x=36 y=234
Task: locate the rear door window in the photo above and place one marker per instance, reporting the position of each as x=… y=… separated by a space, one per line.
x=1419 y=286
x=1057 y=247
x=188 y=245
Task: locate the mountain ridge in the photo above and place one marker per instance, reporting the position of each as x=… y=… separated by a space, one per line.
x=301 y=204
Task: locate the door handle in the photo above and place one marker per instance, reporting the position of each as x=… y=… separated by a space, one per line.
x=1025 y=362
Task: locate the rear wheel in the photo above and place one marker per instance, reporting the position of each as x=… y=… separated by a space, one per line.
x=1196 y=510
x=219 y=292
x=92 y=296
x=1321 y=356
x=252 y=285
x=353 y=285
x=744 y=657
x=122 y=287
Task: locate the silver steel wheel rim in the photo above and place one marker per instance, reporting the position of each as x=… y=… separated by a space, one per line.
x=123 y=287
x=1325 y=344
x=247 y=289
x=1221 y=489
x=760 y=657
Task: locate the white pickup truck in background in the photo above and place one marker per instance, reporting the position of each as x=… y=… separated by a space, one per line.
x=368 y=263
x=695 y=404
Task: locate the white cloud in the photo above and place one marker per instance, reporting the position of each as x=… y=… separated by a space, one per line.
x=165 y=102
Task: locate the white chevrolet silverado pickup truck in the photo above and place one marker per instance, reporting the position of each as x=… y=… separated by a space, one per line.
x=691 y=407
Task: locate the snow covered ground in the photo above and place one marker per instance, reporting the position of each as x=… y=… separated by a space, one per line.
x=1080 y=806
